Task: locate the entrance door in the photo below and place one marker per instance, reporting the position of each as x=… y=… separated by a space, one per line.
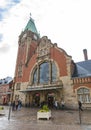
x=50 y=99
x=37 y=99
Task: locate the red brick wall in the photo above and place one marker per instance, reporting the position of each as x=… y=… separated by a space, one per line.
x=27 y=70
x=56 y=55
x=60 y=58
x=21 y=57
x=76 y=86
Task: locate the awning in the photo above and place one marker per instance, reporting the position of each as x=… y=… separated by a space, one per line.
x=40 y=88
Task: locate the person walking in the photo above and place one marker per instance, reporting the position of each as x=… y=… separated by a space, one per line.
x=19 y=104
x=16 y=104
x=63 y=104
x=56 y=104
x=80 y=105
x=13 y=105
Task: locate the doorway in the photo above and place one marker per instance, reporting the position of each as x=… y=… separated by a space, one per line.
x=36 y=99
x=50 y=100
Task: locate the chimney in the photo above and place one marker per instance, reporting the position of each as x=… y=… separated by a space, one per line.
x=85 y=54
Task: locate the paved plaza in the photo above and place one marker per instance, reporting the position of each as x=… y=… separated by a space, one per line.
x=26 y=119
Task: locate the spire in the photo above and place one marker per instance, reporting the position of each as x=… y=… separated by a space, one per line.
x=31 y=26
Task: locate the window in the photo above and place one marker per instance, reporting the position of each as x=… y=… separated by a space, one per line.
x=54 y=72
x=83 y=95
x=18 y=86
x=44 y=73
x=20 y=70
x=35 y=76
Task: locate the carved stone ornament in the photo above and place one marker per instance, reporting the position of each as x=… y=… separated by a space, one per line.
x=44 y=47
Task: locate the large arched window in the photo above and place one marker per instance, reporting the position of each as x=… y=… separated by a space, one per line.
x=44 y=73
x=35 y=76
x=83 y=95
x=54 y=72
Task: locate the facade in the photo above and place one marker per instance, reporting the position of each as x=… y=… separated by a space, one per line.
x=45 y=73
x=82 y=82
x=6 y=90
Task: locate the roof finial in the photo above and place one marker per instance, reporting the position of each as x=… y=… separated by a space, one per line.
x=30 y=15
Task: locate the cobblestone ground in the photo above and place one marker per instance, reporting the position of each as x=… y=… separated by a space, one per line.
x=26 y=119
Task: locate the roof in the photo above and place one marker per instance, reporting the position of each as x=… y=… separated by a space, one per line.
x=31 y=26
x=6 y=80
x=82 y=69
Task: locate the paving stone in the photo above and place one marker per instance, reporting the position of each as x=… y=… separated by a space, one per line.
x=26 y=119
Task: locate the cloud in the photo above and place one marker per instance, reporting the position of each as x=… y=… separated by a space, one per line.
x=2 y=12
x=3 y=3
x=8 y=3
x=5 y=6
x=1 y=37
x=8 y=25
x=4 y=48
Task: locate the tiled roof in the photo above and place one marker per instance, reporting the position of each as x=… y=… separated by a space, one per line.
x=82 y=69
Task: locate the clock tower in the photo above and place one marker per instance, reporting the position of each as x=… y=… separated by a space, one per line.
x=27 y=45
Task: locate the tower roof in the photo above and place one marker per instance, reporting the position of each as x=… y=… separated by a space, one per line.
x=31 y=26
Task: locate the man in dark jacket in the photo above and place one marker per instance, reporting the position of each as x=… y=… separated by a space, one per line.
x=80 y=105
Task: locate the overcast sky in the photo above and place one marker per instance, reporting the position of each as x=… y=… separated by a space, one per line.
x=65 y=22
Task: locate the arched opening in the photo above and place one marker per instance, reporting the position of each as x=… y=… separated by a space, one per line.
x=44 y=73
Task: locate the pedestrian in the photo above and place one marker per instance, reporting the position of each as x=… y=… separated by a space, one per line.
x=13 y=105
x=80 y=105
x=16 y=104
x=19 y=104
x=56 y=104
x=63 y=104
